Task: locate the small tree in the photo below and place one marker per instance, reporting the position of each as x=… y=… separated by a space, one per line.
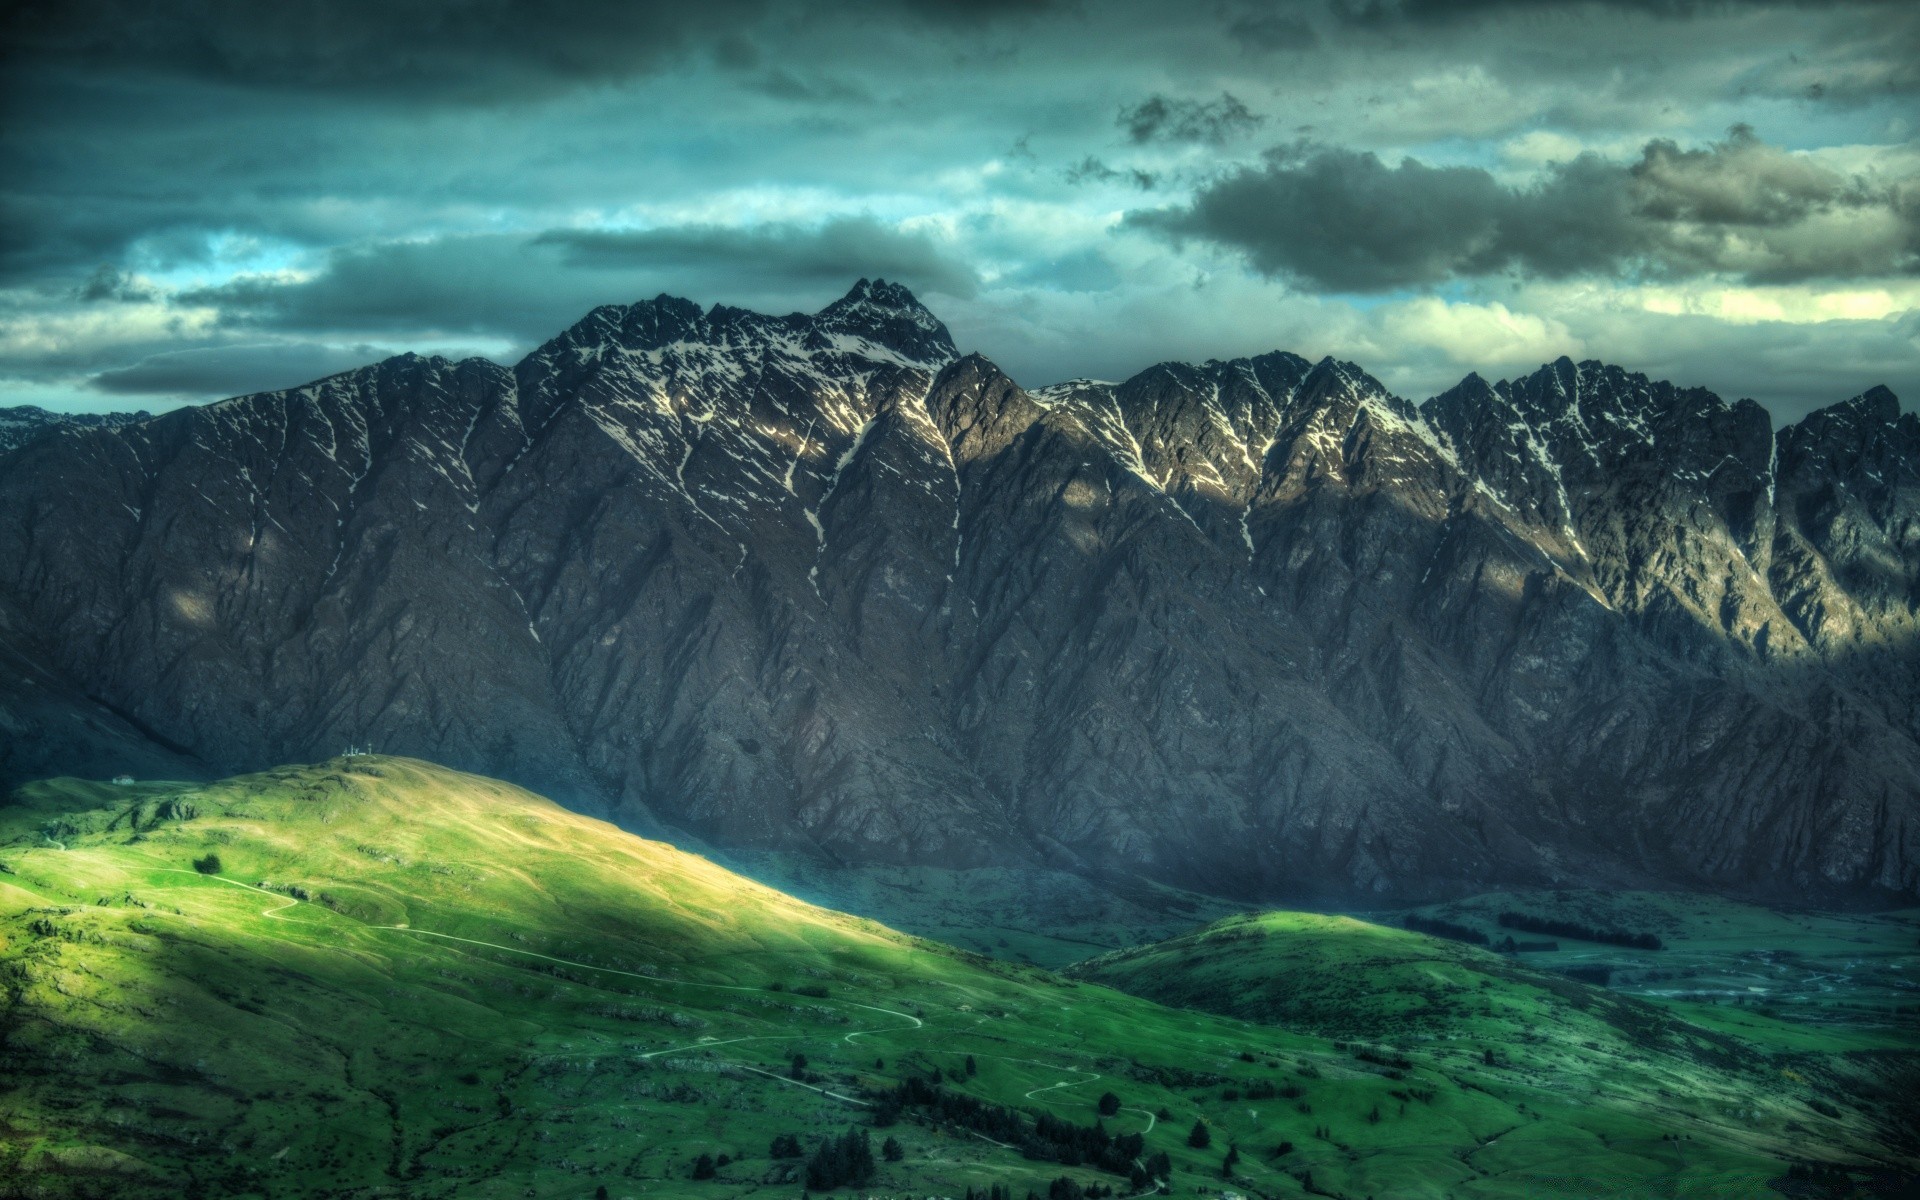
x=1226 y=1166
x=842 y=1160
x=799 y=1066
x=703 y=1167
x=1109 y=1104
x=892 y=1150
x=971 y=1068
x=1201 y=1137
x=210 y=865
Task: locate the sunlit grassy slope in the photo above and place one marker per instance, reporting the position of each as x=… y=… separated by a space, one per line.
x=1487 y=1020
x=410 y=982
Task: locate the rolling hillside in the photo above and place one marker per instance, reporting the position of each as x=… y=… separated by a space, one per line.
x=1397 y=999
x=400 y=978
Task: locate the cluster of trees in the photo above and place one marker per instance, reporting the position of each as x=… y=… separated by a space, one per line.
x=1263 y=1089
x=210 y=865
x=786 y=1145
x=847 y=1159
x=996 y=1121
x=1595 y=973
x=1060 y=1189
x=1584 y=933
x=1397 y=1062
x=1047 y=1138
x=1445 y=929
x=1831 y=1175
x=1071 y=1145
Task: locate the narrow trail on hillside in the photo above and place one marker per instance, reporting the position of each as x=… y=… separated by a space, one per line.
x=797 y=1083
x=654 y=979
x=273 y=913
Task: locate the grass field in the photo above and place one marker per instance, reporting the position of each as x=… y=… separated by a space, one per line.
x=405 y=981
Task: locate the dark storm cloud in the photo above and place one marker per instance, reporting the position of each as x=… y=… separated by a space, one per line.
x=526 y=288
x=1384 y=12
x=1094 y=170
x=1213 y=122
x=231 y=370
x=474 y=47
x=1345 y=221
x=307 y=174
x=476 y=50
x=1270 y=30
x=110 y=283
x=831 y=253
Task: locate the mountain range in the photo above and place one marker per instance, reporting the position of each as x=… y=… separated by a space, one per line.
x=1256 y=627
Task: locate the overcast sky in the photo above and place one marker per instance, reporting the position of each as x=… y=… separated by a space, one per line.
x=1725 y=194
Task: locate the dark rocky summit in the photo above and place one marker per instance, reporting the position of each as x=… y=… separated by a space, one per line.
x=1256 y=627
x=23 y=422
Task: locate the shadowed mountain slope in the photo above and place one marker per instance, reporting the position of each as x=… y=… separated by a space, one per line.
x=821 y=583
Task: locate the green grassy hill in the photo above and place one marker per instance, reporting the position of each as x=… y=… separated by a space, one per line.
x=1611 y=1062
x=407 y=981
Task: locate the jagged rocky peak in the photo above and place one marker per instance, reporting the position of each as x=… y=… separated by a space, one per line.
x=1204 y=426
x=876 y=319
x=1849 y=497
x=1550 y=443
x=22 y=423
x=887 y=315
x=1869 y=429
x=978 y=409
x=818 y=580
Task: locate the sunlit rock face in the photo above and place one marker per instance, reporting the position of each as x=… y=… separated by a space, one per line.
x=1258 y=627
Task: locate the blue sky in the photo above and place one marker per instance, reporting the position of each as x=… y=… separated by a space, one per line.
x=1725 y=194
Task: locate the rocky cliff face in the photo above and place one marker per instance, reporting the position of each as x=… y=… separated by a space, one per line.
x=1257 y=627
x=23 y=422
